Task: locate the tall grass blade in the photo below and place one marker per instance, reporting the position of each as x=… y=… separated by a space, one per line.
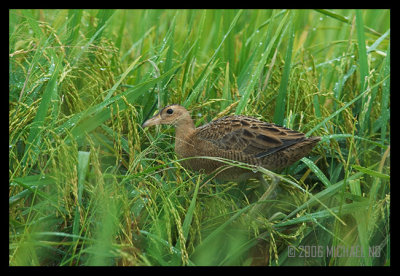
x=189 y=214
x=371 y=172
x=317 y=171
x=206 y=252
x=93 y=117
x=84 y=48
x=73 y=26
x=103 y=16
x=201 y=78
x=385 y=111
x=331 y=190
x=363 y=63
x=83 y=165
x=254 y=74
x=281 y=98
x=34 y=138
x=226 y=95
x=343 y=107
x=123 y=76
x=344 y=19
x=32 y=22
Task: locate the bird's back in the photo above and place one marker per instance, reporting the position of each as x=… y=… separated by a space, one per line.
x=246 y=139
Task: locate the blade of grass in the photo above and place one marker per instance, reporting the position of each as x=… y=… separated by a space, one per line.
x=344 y=19
x=73 y=26
x=265 y=23
x=255 y=74
x=317 y=171
x=83 y=164
x=371 y=172
x=199 y=84
x=33 y=140
x=189 y=213
x=95 y=116
x=330 y=191
x=123 y=76
x=188 y=218
x=103 y=17
x=32 y=22
x=83 y=49
x=310 y=217
x=279 y=113
x=362 y=219
x=334 y=15
x=169 y=43
x=120 y=36
x=364 y=70
x=30 y=183
x=226 y=95
x=377 y=42
x=344 y=107
x=385 y=110
x=214 y=234
x=201 y=77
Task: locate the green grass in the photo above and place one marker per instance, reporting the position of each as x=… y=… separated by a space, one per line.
x=88 y=186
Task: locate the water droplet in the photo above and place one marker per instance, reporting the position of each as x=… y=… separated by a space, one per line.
x=321 y=18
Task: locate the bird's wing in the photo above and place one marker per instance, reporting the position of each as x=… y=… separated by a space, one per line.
x=248 y=135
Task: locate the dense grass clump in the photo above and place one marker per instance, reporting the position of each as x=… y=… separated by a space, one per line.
x=87 y=186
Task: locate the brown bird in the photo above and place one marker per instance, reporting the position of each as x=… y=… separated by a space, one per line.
x=239 y=138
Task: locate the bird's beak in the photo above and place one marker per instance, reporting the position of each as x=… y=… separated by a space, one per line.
x=152 y=121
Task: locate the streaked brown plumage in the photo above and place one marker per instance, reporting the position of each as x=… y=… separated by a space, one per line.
x=240 y=138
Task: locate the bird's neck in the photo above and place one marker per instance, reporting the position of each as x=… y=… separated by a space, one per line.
x=183 y=132
x=184 y=127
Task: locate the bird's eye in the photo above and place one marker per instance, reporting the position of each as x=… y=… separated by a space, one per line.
x=170 y=111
